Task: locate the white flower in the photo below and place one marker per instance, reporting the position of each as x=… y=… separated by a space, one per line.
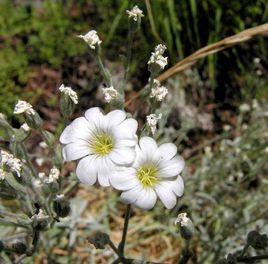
x=69 y=92
x=244 y=108
x=157 y=56
x=53 y=175
x=25 y=127
x=9 y=163
x=43 y=144
x=91 y=38
x=257 y=60
x=182 y=220
x=102 y=142
x=154 y=173
x=159 y=92
x=135 y=13
x=109 y=94
x=23 y=107
x=152 y=120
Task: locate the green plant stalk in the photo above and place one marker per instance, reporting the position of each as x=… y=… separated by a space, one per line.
x=124 y=234
x=105 y=73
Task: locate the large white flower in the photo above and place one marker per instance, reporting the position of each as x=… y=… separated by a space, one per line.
x=155 y=173
x=101 y=143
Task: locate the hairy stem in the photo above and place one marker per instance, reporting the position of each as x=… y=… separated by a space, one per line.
x=124 y=235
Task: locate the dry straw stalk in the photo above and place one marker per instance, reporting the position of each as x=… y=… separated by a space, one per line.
x=228 y=42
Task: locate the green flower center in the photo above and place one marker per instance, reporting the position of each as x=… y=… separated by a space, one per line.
x=102 y=144
x=147 y=175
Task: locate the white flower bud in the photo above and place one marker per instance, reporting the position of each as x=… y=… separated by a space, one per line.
x=110 y=94
x=135 y=13
x=91 y=38
x=158 y=92
x=244 y=108
x=9 y=163
x=186 y=226
x=69 y=92
x=152 y=121
x=23 y=107
x=53 y=175
x=157 y=59
x=25 y=127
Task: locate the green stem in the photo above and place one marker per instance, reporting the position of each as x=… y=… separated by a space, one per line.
x=104 y=72
x=124 y=235
x=28 y=160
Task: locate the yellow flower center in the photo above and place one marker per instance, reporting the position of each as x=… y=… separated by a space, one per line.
x=102 y=144
x=147 y=175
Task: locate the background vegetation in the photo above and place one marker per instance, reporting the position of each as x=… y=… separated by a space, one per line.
x=225 y=146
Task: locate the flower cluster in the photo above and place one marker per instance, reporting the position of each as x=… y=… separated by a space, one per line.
x=152 y=120
x=110 y=94
x=135 y=13
x=8 y=163
x=157 y=56
x=69 y=92
x=158 y=92
x=23 y=107
x=108 y=150
x=92 y=39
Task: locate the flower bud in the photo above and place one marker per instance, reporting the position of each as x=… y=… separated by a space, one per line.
x=40 y=221
x=34 y=120
x=2 y=246
x=68 y=100
x=22 y=133
x=231 y=259
x=99 y=240
x=135 y=15
x=257 y=240
x=61 y=206
x=19 y=247
x=186 y=226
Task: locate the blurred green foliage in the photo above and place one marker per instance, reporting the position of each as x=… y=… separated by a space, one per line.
x=44 y=32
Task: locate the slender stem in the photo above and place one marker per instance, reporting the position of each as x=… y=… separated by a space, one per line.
x=244 y=250
x=186 y=253
x=28 y=160
x=124 y=235
x=104 y=72
x=114 y=248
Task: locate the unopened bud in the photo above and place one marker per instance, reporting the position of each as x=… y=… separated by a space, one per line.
x=257 y=240
x=40 y=221
x=2 y=246
x=34 y=120
x=68 y=100
x=186 y=226
x=19 y=247
x=99 y=240
x=22 y=133
x=231 y=259
x=61 y=206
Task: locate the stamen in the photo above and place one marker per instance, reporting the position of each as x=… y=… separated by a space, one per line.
x=102 y=144
x=147 y=175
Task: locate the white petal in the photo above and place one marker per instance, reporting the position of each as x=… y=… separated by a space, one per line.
x=167 y=151
x=78 y=129
x=127 y=142
x=178 y=186
x=127 y=128
x=166 y=195
x=74 y=151
x=124 y=179
x=146 y=199
x=105 y=168
x=86 y=170
x=171 y=168
x=147 y=145
x=116 y=117
x=131 y=195
x=94 y=115
x=123 y=156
